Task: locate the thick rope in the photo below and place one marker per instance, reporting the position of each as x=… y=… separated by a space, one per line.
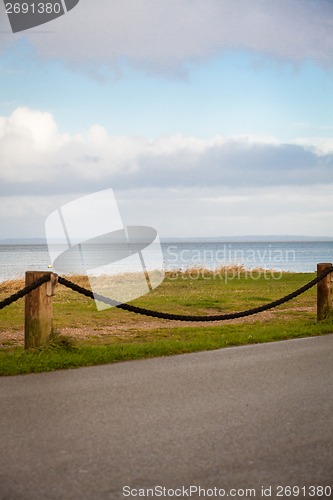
x=184 y=317
x=25 y=291
x=161 y=315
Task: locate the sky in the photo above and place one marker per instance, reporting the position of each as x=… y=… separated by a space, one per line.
x=206 y=117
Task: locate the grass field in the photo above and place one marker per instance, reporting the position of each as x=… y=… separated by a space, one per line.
x=83 y=336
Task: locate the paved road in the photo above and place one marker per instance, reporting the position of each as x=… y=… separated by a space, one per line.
x=238 y=418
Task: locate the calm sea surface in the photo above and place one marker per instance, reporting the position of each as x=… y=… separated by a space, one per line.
x=291 y=256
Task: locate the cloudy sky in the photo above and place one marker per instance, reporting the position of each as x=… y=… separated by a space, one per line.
x=206 y=117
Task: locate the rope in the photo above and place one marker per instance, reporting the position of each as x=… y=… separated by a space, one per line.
x=184 y=317
x=25 y=291
x=162 y=315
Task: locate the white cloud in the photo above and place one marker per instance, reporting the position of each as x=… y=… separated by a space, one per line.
x=166 y=34
x=35 y=156
x=179 y=185
x=322 y=145
x=209 y=211
x=28 y=139
x=236 y=210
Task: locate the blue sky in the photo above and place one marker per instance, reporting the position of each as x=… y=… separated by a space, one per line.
x=217 y=112
x=236 y=93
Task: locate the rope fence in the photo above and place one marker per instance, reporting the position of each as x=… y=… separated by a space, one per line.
x=186 y=317
x=35 y=307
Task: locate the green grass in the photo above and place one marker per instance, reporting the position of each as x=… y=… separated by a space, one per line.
x=130 y=336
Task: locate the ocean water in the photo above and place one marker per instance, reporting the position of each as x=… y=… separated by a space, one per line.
x=280 y=256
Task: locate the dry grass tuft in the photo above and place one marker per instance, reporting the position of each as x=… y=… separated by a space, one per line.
x=11 y=286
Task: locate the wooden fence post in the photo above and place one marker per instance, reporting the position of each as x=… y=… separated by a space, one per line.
x=38 y=310
x=324 y=293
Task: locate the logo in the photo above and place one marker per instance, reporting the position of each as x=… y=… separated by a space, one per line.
x=87 y=237
x=28 y=14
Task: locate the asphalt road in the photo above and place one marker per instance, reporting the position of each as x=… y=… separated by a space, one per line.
x=233 y=419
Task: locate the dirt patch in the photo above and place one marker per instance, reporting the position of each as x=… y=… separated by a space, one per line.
x=131 y=329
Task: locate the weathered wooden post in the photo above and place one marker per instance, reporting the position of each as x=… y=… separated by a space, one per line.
x=38 y=310
x=324 y=292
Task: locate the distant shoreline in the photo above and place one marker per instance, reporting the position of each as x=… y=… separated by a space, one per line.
x=202 y=239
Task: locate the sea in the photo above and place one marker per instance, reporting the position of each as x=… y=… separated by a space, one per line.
x=294 y=256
